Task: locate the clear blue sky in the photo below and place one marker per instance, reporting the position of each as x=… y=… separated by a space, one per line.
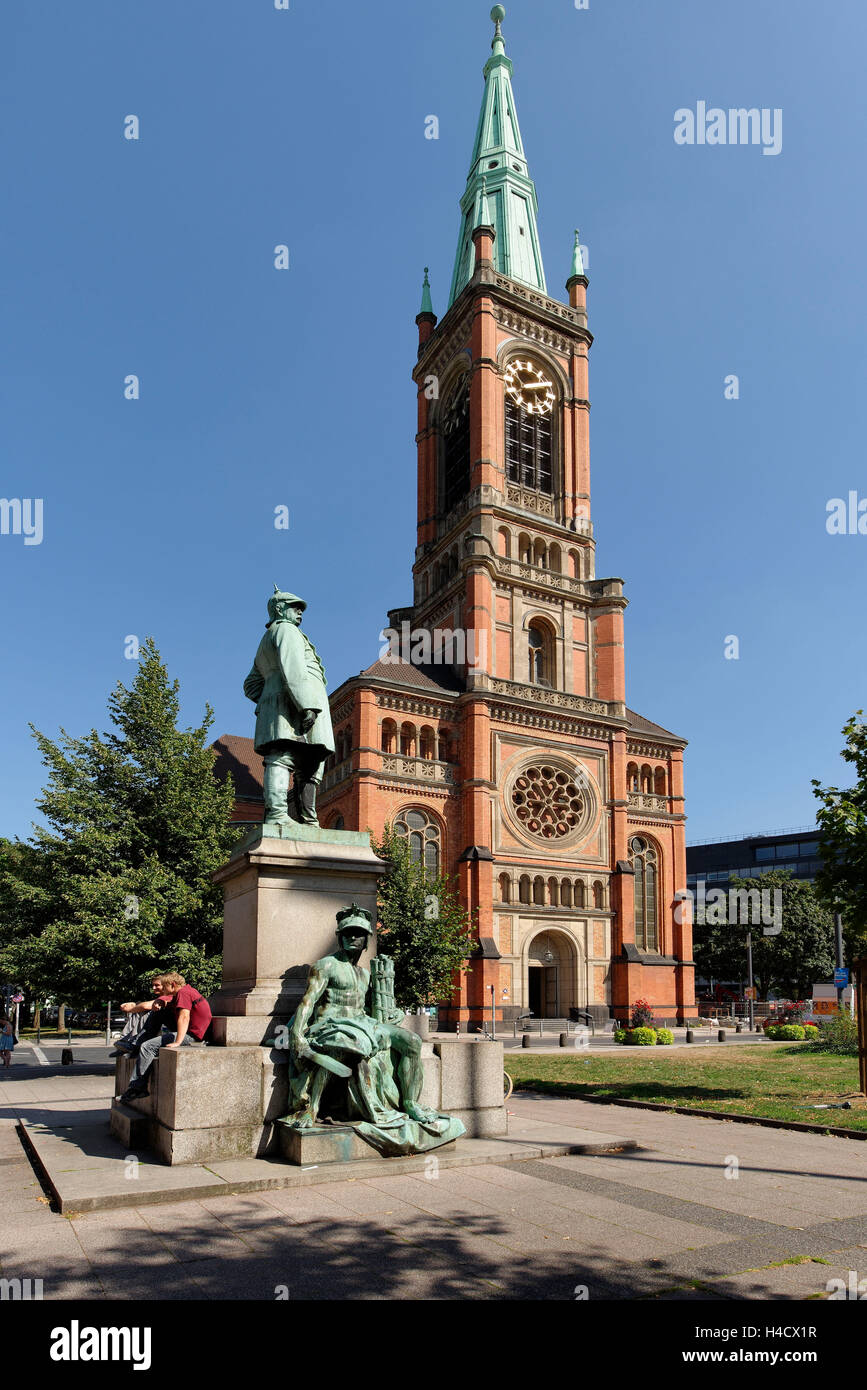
x=261 y=388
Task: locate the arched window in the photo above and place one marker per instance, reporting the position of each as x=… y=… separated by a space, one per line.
x=540 y=554
x=407 y=740
x=504 y=543
x=529 y=416
x=540 y=663
x=553 y=893
x=426 y=742
x=389 y=736
x=525 y=549
x=456 y=444
x=423 y=835
x=337 y=823
x=566 y=893
x=444 y=746
x=539 y=891
x=598 y=894
x=575 y=564
x=646 y=779
x=524 y=889
x=659 y=780
x=505 y=888
x=645 y=864
x=554 y=560
x=632 y=777
x=579 y=893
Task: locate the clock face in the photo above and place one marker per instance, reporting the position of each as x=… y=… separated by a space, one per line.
x=529 y=387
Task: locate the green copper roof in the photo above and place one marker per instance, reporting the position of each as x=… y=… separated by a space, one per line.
x=499 y=163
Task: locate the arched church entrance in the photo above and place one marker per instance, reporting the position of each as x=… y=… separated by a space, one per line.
x=552 y=975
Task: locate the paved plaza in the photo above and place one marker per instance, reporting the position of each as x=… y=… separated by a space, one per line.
x=659 y=1216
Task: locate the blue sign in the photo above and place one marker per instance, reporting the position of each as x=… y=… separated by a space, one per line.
x=841 y=978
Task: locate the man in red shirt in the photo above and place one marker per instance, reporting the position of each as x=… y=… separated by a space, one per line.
x=186 y=1018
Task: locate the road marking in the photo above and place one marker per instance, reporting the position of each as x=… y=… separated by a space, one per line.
x=40 y=1056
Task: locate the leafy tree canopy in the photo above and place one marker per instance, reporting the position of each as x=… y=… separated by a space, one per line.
x=789 y=963
x=842 y=820
x=118 y=881
x=422 y=926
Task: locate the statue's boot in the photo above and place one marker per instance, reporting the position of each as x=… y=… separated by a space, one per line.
x=276 y=789
x=305 y=803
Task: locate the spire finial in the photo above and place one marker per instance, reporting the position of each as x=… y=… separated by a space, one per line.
x=577 y=258
x=426 y=301
x=498 y=14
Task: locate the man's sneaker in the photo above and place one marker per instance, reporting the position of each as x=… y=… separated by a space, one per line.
x=133 y=1093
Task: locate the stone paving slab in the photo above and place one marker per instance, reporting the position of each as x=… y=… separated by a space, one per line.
x=86 y=1169
x=657 y=1221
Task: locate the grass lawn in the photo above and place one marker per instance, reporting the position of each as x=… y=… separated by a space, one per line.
x=774 y=1080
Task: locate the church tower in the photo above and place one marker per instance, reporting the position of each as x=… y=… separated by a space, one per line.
x=494 y=732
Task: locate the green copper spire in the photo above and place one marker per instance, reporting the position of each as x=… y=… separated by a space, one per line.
x=577 y=258
x=499 y=176
x=426 y=301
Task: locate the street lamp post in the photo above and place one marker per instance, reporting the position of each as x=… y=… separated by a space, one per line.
x=750 y=975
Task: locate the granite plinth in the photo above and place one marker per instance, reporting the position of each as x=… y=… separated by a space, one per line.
x=282 y=895
x=224 y=1102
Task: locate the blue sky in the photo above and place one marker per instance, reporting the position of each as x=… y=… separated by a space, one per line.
x=261 y=388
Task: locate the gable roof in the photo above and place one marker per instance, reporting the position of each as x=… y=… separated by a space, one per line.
x=639 y=725
x=238 y=756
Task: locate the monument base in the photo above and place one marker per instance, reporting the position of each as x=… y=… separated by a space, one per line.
x=283 y=888
x=212 y=1103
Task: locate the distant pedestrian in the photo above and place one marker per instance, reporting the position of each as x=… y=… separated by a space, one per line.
x=7 y=1041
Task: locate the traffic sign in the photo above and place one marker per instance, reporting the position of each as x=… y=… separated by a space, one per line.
x=841 y=977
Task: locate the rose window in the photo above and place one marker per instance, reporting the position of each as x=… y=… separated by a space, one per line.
x=547 y=802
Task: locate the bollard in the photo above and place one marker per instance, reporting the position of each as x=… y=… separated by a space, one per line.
x=689 y=1035
x=525 y=1039
x=66 y=1058
x=564 y=1039
x=721 y=1035
x=738 y=1028
x=540 y=1028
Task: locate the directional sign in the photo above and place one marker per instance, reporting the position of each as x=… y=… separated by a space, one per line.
x=841 y=977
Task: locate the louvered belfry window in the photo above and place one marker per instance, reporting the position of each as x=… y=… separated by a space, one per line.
x=456 y=444
x=528 y=448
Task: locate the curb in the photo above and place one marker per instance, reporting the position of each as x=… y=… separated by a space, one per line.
x=802 y=1127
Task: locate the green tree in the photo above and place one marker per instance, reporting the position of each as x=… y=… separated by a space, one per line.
x=788 y=963
x=842 y=820
x=422 y=926
x=118 y=881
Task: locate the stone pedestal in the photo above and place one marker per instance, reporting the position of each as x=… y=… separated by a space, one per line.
x=282 y=896
x=214 y=1103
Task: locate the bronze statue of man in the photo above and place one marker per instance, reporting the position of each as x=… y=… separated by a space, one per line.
x=293 y=720
x=347 y=1027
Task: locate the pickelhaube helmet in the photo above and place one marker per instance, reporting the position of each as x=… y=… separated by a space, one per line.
x=279 y=596
x=355 y=918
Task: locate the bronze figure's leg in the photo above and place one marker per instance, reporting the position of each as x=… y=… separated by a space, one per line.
x=409 y=1073
x=307 y=1118
x=305 y=787
x=276 y=788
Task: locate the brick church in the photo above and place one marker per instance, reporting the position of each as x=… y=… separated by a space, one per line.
x=494 y=732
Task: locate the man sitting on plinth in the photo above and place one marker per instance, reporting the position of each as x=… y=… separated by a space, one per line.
x=378 y=1063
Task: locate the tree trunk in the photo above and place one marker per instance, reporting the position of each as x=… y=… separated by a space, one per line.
x=61 y=1018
